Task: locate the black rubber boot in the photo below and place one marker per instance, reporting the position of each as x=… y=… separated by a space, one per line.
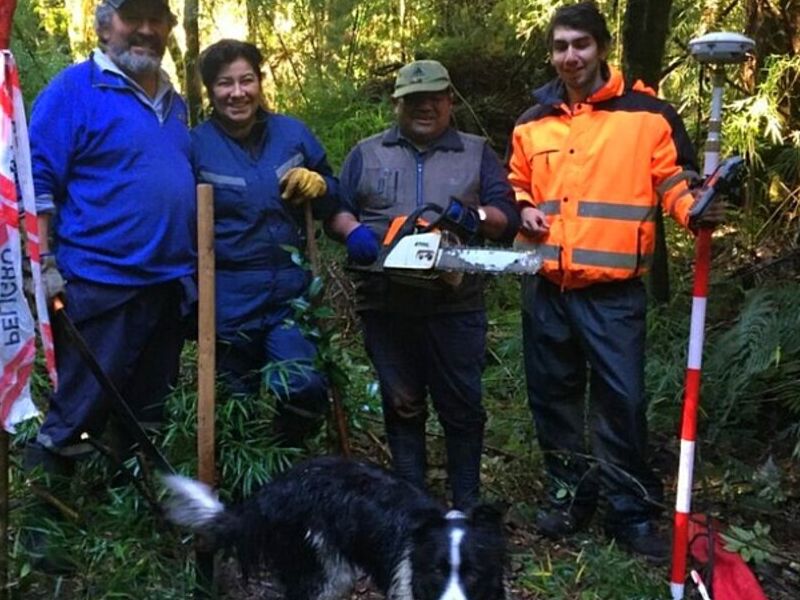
x=643 y=540
x=52 y=471
x=464 y=468
x=293 y=431
x=54 y=466
x=407 y=444
x=557 y=521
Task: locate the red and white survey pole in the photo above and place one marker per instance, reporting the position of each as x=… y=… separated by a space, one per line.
x=716 y=50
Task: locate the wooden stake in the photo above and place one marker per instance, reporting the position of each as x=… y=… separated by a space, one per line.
x=206 y=339
x=206 y=373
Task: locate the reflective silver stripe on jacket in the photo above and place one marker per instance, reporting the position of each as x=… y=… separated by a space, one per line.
x=549 y=251
x=670 y=182
x=296 y=160
x=614 y=260
x=220 y=179
x=550 y=207
x=621 y=212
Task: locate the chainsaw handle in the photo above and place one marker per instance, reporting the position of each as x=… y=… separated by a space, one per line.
x=409 y=226
x=439 y=210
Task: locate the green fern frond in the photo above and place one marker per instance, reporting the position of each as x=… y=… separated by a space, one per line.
x=757 y=358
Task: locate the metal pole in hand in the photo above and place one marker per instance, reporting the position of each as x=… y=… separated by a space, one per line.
x=206 y=372
x=339 y=415
x=716 y=49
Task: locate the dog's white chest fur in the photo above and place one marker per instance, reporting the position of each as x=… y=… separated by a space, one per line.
x=340 y=575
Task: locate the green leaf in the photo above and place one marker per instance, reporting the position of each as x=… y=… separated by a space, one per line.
x=315 y=288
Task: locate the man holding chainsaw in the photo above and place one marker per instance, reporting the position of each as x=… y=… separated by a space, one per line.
x=590 y=164
x=115 y=195
x=425 y=338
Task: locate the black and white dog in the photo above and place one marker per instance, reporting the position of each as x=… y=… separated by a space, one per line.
x=323 y=523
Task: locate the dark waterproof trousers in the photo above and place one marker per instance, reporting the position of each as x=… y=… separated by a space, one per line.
x=442 y=355
x=278 y=355
x=136 y=335
x=601 y=327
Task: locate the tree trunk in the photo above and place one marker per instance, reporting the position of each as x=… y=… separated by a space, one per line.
x=176 y=55
x=253 y=31
x=774 y=25
x=775 y=28
x=644 y=35
x=192 y=83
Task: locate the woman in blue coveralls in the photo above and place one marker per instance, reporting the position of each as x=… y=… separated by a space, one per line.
x=263 y=166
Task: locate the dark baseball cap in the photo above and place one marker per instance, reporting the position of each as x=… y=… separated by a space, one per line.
x=421 y=76
x=118 y=3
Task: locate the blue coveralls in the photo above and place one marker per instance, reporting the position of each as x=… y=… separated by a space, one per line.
x=256 y=278
x=116 y=165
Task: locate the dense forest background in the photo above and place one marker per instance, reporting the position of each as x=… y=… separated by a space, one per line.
x=332 y=63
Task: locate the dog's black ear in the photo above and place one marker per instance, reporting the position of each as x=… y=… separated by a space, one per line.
x=427 y=517
x=487 y=515
x=425 y=520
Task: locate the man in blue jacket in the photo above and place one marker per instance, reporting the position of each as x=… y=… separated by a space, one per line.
x=425 y=341
x=115 y=195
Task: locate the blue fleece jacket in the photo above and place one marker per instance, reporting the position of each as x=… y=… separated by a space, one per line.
x=119 y=175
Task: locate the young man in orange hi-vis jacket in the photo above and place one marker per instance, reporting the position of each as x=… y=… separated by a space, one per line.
x=590 y=163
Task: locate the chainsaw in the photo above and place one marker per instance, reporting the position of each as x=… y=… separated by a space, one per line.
x=419 y=251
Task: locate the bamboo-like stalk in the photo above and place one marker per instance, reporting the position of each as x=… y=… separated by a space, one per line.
x=339 y=415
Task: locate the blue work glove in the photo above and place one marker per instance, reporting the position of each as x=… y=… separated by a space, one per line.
x=362 y=245
x=461 y=219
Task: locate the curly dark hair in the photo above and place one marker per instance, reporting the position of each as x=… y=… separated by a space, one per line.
x=224 y=52
x=583 y=16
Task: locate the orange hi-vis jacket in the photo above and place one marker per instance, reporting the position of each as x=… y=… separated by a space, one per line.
x=599 y=171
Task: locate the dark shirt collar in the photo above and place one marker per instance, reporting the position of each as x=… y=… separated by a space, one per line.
x=554 y=93
x=448 y=141
x=255 y=140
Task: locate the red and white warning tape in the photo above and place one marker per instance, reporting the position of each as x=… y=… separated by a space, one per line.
x=17 y=346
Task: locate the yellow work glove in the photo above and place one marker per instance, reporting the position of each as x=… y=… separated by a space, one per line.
x=299 y=185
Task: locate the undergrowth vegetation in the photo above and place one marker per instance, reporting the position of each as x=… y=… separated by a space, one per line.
x=748 y=434
x=749 y=426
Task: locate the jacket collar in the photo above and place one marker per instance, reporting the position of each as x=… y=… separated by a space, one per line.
x=449 y=140
x=105 y=73
x=257 y=137
x=108 y=73
x=554 y=93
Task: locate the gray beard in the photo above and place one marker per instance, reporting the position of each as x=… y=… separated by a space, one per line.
x=135 y=64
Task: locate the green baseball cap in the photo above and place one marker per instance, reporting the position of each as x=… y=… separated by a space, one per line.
x=421 y=76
